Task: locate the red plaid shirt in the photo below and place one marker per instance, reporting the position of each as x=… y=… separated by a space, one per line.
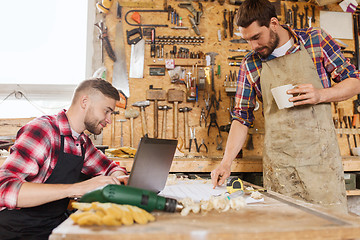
x=35 y=153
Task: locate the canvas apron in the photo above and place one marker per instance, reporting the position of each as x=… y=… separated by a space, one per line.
x=38 y=222
x=301 y=157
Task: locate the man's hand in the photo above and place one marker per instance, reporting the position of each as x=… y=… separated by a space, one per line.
x=121 y=176
x=80 y=188
x=305 y=94
x=220 y=174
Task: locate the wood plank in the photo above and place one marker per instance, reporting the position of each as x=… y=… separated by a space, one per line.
x=271 y=219
x=250 y=164
x=351 y=163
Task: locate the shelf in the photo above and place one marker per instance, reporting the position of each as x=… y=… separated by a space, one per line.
x=355 y=192
x=178 y=62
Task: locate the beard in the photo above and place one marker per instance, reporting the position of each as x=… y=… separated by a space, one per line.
x=91 y=124
x=273 y=43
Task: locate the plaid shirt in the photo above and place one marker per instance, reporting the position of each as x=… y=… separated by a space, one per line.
x=35 y=153
x=325 y=53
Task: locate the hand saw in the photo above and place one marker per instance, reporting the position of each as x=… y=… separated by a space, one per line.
x=120 y=75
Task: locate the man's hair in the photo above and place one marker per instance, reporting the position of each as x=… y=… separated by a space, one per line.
x=97 y=85
x=255 y=10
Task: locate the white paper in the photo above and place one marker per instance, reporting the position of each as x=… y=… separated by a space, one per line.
x=197 y=190
x=337 y=24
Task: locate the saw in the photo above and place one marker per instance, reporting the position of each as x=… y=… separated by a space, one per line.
x=120 y=75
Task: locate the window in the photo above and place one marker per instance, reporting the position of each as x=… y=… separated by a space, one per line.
x=42 y=55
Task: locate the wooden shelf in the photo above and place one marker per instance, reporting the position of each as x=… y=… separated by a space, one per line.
x=178 y=62
x=355 y=192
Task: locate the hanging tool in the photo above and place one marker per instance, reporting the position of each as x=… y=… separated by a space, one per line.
x=202 y=116
x=225 y=23
x=213 y=101
x=203 y=144
x=295 y=9
x=219 y=142
x=193 y=138
x=145 y=11
x=351 y=124
x=131 y=114
x=197 y=14
x=185 y=110
x=104 y=6
x=213 y=123
x=155 y=95
x=306 y=9
x=104 y=40
x=301 y=15
x=142 y=105
x=347 y=135
x=175 y=96
x=120 y=75
x=141 y=198
x=121 y=131
x=165 y=108
x=341 y=117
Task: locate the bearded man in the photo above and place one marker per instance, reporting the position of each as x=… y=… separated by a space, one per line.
x=301 y=156
x=42 y=171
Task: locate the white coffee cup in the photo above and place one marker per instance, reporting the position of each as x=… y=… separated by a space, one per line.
x=281 y=97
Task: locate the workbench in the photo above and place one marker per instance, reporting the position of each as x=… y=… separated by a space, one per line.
x=277 y=217
x=246 y=164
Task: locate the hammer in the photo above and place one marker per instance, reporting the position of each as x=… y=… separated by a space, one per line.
x=131 y=114
x=155 y=95
x=175 y=96
x=142 y=105
x=185 y=110
x=121 y=132
x=165 y=108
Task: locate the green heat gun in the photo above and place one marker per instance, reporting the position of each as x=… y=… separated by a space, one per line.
x=141 y=198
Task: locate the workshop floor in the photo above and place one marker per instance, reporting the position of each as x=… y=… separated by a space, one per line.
x=354 y=204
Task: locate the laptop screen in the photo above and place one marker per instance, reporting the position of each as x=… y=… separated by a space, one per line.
x=152 y=163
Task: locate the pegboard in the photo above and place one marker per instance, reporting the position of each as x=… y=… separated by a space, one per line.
x=210 y=23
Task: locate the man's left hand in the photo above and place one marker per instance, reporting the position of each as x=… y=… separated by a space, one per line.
x=304 y=94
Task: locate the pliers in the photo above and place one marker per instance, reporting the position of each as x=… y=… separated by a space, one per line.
x=202 y=116
x=193 y=137
x=203 y=144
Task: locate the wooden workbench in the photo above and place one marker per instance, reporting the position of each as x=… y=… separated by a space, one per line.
x=278 y=217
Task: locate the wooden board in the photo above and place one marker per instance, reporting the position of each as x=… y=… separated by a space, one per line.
x=271 y=219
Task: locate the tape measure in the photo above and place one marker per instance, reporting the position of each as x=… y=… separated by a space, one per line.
x=234 y=184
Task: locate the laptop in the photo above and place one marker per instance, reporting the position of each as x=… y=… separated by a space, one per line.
x=152 y=163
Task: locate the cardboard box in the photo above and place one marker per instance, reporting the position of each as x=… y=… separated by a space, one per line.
x=350 y=181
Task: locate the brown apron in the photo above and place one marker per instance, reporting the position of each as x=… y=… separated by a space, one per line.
x=301 y=154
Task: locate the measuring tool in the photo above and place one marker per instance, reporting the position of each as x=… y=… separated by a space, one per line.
x=234 y=184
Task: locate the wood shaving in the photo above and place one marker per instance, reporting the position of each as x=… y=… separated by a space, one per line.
x=220 y=203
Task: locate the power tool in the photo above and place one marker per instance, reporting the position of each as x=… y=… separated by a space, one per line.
x=141 y=198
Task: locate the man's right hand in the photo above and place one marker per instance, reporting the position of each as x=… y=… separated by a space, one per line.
x=220 y=174
x=80 y=188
